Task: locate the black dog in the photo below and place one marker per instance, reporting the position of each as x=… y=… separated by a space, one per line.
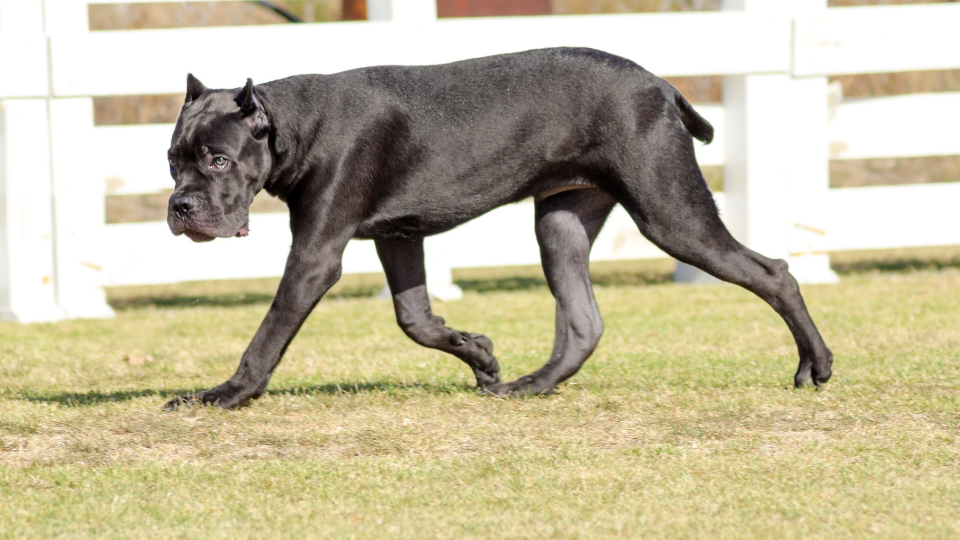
x=396 y=154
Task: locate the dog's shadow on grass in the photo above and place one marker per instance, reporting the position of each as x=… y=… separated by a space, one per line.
x=381 y=387
x=96 y=397
x=182 y=301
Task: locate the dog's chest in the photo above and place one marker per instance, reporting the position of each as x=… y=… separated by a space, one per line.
x=405 y=226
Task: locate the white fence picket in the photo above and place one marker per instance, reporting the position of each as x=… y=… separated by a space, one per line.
x=23 y=71
x=23 y=50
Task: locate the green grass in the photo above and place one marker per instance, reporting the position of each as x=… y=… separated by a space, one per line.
x=683 y=424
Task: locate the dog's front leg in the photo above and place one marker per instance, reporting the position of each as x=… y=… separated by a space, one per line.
x=312 y=268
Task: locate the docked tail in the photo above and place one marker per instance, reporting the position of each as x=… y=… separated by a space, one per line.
x=695 y=124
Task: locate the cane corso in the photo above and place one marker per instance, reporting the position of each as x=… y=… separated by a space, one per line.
x=398 y=153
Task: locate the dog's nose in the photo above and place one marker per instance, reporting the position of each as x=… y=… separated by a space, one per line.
x=183 y=204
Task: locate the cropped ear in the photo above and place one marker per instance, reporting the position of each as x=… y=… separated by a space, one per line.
x=252 y=110
x=194 y=88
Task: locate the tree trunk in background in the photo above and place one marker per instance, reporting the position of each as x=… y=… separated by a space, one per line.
x=490 y=8
x=354 y=10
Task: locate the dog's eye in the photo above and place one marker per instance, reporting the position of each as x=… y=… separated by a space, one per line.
x=220 y=162
x=173 y=168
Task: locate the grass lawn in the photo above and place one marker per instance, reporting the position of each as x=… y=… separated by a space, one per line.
x=683 y=424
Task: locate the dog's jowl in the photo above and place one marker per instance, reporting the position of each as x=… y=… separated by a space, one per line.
x=396 y=154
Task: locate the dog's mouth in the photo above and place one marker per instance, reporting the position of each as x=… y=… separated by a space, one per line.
x=200 y=233
x=205 y=226
x=197 y=236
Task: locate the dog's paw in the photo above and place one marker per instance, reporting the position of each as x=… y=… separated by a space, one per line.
x=823 y=370
x=821 y=376
x=182 y=402
x=522 y=387
x=215 y=397
x=486 y=379
x=815 y=372
x=477 y=351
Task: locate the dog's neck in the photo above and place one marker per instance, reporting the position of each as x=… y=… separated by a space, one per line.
x=282 y=179
x=294 y=130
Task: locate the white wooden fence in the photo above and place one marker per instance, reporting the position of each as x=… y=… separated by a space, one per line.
x=776 y=132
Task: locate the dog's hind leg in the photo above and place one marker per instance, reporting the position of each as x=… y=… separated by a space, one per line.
x=567 y=224
x=671 y=204
x=403 y=263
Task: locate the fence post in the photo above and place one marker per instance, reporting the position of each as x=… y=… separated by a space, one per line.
x=809 y=173
x=402 y=11
x=78 y=193
x=755 y=169
x=775 y=160
x=26 y=228
x=439 y=273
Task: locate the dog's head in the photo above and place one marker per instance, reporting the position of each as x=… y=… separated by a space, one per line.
x=219 y=158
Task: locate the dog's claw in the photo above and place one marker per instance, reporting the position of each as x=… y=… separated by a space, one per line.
x=181 y=402
x=525 y=386
x=485 y=378
x=213 y=397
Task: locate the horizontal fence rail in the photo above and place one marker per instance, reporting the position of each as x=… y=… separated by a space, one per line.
x=775 y=133
x=893 y=216
x=912 y=125
x=154 y=61
x=877 y=39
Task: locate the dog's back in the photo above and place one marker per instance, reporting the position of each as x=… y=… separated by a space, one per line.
x=502 y=128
